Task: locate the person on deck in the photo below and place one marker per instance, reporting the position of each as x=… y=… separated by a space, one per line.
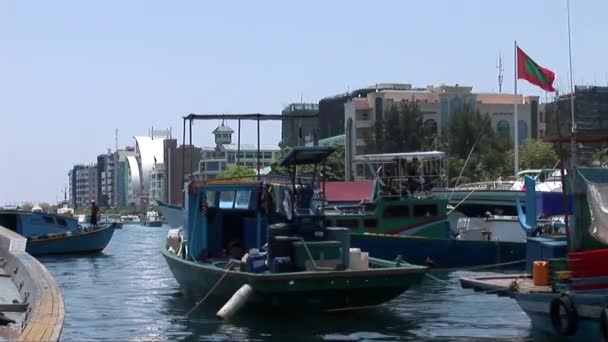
x=94 y=211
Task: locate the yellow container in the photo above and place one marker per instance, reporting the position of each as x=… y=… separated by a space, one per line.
x=540 y=273
x=563 y=275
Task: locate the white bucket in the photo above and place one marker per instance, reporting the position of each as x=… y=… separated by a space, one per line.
x=354 y=260
x=364 y=260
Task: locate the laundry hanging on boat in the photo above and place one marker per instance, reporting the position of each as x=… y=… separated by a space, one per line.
x=597 y=196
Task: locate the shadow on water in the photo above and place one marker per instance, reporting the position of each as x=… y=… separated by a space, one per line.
x=255 y=323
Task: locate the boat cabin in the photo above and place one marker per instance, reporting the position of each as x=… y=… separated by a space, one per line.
x=229 y=217
x=35 y=224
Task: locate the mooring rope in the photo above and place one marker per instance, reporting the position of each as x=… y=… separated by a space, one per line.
x=187 y=315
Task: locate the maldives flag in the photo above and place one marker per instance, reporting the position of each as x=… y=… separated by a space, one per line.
x=528 y=70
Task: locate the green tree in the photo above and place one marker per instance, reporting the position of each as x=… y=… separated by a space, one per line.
x=537 y=154
x=399 y=130
x=237 y=171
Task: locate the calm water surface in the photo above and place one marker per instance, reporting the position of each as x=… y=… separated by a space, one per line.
x=128 y=294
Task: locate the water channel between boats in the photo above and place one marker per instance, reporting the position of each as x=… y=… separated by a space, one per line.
x=127 y=293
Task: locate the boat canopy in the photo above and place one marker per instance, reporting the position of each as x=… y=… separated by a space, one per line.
x=301 y=155
x=426 y=155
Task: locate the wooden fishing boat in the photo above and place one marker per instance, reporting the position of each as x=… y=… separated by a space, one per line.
x=54 y=234
x=231 y=248
x=31 y=305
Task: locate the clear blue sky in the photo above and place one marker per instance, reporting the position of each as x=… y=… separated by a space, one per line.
x=71 y=72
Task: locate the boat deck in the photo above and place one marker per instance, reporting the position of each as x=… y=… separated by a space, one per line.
x=504 y=284
x=9 y=293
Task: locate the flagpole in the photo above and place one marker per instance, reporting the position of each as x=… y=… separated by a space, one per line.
x=515 y=117
x=573 y=129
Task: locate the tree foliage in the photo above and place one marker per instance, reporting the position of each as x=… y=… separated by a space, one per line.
x=400 y=130
x=537 y=154
x=237 y=171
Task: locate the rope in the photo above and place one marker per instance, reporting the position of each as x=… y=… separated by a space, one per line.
x=462 y=201
x=186 y=316
x=228 y=268
x=312 y=259
x=482 y=267
x=468 y=157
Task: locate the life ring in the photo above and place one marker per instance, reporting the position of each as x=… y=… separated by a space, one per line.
x=604 y=324
x=571 y=316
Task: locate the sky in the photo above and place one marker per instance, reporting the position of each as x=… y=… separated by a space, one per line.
x=72 y=72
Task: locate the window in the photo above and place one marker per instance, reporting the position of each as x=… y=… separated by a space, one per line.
x=430 y=126
x=503 y=128
x=396 y=211
x=424 y=210
x=226 y=199
x=348 y=223
x=210 y=199
x=267 y=155
x=541 y=133
x=242 y=199
x=231 y=157
x=540 y=117
x=370 y=223
x=48 y=219
x=249 y=155
x=213 y=166
x=378 y=105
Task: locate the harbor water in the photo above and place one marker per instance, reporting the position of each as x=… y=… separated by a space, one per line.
x=127 y=293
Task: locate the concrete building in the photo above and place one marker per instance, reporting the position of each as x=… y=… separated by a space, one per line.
x=149 y=154
x=590 y=116
x=106 y=166
x=225 y=154
x=294 y=131
x=83 y=185
x=121 y=176
x=436 y=105
x=174 y=174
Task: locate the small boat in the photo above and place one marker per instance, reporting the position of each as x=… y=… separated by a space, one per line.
x=237 y=246
x=173 y=214
x=55 y=234
x=112 y=219
x=31 y=304
x=152 y=219
x=565 y=292
x=130 y=219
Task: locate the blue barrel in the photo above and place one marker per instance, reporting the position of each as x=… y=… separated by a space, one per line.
x=256 y=263
x=341 y=235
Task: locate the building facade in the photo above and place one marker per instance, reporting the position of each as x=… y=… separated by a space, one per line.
x=436 y=105
x=215 y=160
x=180 y=163
x=294 y=131
x=83 y=185
x=106 y=166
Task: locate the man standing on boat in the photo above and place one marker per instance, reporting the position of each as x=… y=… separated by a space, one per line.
x=94 y=211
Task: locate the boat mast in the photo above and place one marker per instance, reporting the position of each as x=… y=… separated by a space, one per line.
x=573 y=129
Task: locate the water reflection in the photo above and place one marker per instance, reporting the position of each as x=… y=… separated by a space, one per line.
x=127 y=293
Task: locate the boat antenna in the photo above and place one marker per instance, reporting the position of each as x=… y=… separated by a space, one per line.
x=500 y=72
x=573 y=129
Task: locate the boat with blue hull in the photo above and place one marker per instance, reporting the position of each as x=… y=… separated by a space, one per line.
x=54 y=234
x=440 y=253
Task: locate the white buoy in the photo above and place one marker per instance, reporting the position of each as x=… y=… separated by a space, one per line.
x=236 y=302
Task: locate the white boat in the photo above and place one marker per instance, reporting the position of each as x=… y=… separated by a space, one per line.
x=152 y=219
x=130 y=219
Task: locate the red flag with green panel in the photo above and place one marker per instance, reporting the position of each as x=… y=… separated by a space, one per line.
x=528 y=70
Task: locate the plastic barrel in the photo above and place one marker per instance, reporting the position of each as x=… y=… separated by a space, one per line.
x=280 y=246
x=540 y=273
x=343 y=236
